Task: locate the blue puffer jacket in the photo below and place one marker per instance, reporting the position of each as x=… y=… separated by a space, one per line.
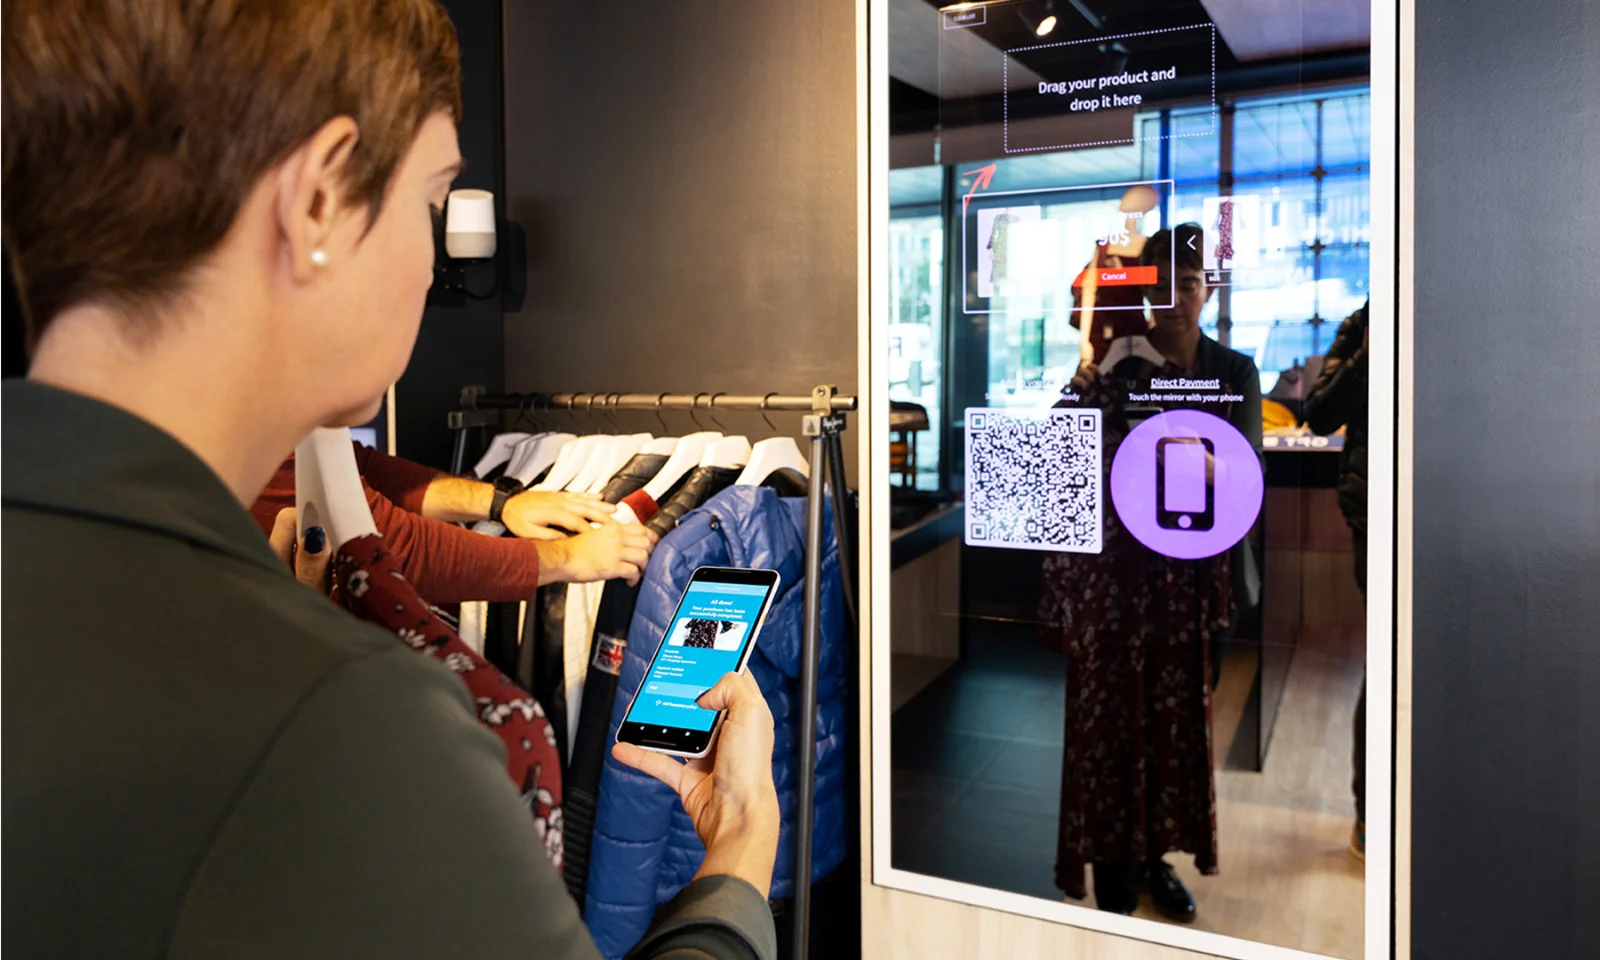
x=645 y=849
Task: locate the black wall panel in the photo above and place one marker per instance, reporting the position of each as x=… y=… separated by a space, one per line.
x=460 y=345
x=1507 y=630
x=686 y=174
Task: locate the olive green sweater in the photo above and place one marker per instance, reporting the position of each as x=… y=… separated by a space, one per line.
x=204 y=759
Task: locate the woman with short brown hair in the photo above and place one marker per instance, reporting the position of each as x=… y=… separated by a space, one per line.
x=218 y=215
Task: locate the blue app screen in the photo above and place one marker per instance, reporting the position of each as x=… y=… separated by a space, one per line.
x=705 y=641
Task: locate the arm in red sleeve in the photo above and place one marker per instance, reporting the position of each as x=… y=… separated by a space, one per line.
x=448 y=564
x=444 y=562
x=277 y=495
x=403 y=482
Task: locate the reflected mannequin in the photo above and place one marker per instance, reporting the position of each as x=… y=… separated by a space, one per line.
x=1090 y=312
x=1137 y=627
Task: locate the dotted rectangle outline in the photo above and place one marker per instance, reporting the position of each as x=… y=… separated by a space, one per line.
x=1005 y=91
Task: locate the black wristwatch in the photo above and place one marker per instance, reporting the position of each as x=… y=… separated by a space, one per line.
x=504 y=489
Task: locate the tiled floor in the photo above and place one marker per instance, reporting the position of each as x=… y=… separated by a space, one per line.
x=977 y=772
x=977 y=767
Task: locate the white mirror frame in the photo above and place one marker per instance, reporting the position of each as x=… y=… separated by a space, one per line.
x=1388 y=599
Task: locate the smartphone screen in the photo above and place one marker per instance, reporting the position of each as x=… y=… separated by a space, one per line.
x=1185 y=494
x=711 y=634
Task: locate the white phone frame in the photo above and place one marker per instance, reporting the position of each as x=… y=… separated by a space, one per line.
x=744 y=654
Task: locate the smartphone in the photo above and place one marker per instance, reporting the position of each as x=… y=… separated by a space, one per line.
x=1186 y=495
x=712 y=633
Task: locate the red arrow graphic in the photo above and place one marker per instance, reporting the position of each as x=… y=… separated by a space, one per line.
x=984 y=176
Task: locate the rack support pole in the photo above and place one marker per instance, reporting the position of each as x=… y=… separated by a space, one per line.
x=822 y=409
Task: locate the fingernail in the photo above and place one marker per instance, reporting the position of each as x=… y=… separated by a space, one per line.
x=316 y=540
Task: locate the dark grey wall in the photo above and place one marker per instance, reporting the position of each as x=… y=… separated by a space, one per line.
x=458 y=346
x=1507 y=636
x=686 y=175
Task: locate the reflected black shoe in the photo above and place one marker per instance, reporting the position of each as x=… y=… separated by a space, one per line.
x=1116 y=886
x=1168 y=893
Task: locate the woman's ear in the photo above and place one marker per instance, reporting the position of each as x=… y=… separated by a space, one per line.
x=313 y=197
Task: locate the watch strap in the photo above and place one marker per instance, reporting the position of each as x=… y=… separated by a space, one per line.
x=504 y=489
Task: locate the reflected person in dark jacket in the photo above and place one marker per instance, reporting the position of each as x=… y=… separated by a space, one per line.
x=1339 y=399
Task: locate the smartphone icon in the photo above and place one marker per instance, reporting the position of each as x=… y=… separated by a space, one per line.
x=1186 y=493
x=712 y=633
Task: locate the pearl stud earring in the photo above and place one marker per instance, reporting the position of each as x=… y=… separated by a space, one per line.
x=319 y=258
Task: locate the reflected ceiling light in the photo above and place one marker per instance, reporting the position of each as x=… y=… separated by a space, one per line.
x=1041 y=18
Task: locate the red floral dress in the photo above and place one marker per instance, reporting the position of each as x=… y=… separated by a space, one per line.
x=368 y=583
x=1136 y=776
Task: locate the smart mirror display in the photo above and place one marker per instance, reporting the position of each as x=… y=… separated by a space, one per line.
x=1129 y=273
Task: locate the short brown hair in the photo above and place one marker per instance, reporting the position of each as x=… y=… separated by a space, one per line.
x=1159 y=248
x=134 y=129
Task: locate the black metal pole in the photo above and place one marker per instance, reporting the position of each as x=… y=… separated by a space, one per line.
x=843 y=531
x=458 y=457
x=812 y=643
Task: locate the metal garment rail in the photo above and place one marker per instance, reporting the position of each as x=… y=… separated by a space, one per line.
x=823 y=424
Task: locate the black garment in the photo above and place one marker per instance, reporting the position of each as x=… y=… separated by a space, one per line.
x=700 y=485
x=581 y=787
x=1358 y=751
x=633 y=476
x=209 y=760
x=1339 y=399
x=541 y=656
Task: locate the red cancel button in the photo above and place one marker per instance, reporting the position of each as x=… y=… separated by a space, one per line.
x=1120 y=277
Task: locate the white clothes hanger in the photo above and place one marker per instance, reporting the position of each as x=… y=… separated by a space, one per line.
x=617 y=454
x=501 y=449
x=685 y=457
x=541 y=455
x=770 y=456
x=327 y=487
x=520 y=452
x=1123 y=348
x=660 y=447
x=572 y=458
x=599 y=457
x=727 y=452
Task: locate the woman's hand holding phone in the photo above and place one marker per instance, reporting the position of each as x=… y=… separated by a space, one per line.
x=729 y=794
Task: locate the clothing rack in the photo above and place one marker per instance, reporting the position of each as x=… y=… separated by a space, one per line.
x=824 y=409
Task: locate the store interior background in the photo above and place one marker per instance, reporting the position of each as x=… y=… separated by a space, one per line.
x=1506 y=850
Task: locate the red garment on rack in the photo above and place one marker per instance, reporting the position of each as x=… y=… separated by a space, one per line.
x=368 y=583
x=447 y=564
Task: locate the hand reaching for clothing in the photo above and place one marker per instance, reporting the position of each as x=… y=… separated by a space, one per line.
x=308 y=558
x=551 y=515
x=613 y=551
x=728 y=794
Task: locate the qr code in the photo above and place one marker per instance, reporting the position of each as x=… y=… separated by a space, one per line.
x=1034 y=480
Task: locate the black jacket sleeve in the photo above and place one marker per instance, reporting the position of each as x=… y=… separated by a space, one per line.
x=381 y=823
x=1341 y=387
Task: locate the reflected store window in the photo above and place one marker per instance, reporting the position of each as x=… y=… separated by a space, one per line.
x=1128 y=628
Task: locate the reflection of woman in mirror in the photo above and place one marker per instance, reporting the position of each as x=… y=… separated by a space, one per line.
x=1105 y=313
x=1137 y=628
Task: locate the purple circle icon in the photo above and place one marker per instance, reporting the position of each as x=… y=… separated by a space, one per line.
x=1187 y=484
